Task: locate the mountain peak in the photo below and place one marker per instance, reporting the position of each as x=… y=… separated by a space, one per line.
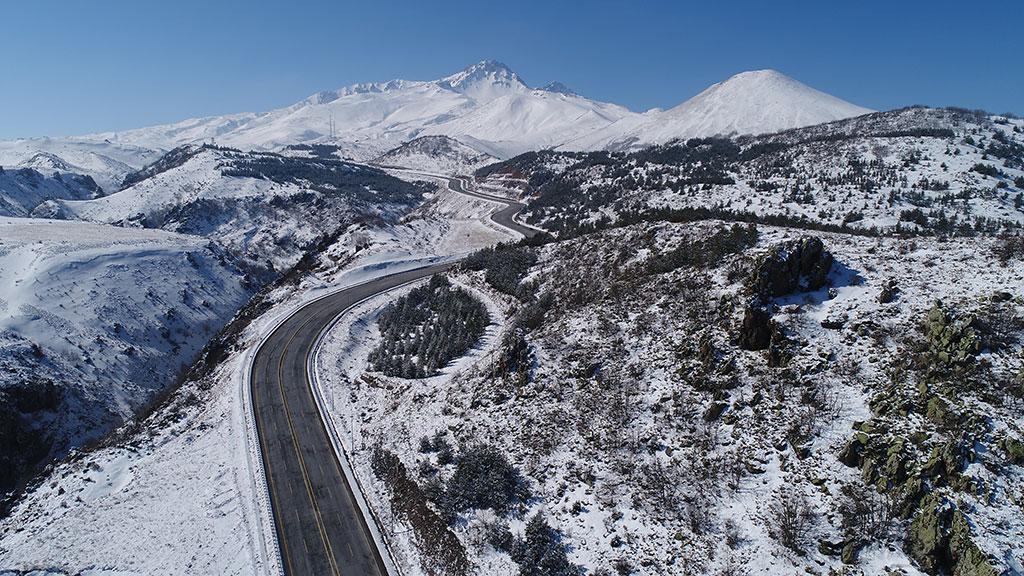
x=558 y=88
x=483 y=79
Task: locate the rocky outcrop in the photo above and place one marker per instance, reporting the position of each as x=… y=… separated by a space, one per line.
x=952 y=339
x=755 y=332
x=941 y=541
x=797 y=265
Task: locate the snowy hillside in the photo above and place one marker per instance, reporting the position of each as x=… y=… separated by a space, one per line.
x=916 y=170
x=95 y=321
x=754 y=102
x=107 y=163
x=268 y=207
x=435 y=154
x=657 y=430
x=22 y=189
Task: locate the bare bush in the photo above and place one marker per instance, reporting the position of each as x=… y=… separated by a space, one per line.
x=791 y=517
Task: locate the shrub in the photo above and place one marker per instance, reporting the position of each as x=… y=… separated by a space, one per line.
x=791 y=517
x=484 y=478
x=540 y=551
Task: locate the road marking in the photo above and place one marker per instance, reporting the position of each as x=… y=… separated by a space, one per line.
x=270 y=474
x=317 y=516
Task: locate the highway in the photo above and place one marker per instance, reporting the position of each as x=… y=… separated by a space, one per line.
x=320 y=529
x=505 y=216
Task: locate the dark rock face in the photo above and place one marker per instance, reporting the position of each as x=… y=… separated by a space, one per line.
x=793 y=266
x=756 y=329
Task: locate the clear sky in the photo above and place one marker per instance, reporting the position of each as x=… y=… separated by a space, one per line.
x=75 y=67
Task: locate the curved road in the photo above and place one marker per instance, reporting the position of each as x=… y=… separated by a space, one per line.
x=505 y=216
x=320 y=528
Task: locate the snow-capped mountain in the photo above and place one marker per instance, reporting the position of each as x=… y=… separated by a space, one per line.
x=375 y=117
x=756 y=102
x=486 y=106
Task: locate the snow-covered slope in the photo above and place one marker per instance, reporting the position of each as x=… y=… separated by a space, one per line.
x=436 y=154
x=23 y=189
x=268 y=207
x=105 y=161
x=97 y=319
x=754 y=102
x=914 y=170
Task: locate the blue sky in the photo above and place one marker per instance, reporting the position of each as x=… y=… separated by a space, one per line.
x=75 y=67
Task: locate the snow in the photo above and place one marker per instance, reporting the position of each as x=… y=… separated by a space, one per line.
x=87 y=293
x=755 y=102
x=485 y=106
x=640 y=334
x=186 y=495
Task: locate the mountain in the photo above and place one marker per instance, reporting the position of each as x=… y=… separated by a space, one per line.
x=22 y=189
x=756 y=102
x=436 y=154
x=486 y=106
x=372 y=118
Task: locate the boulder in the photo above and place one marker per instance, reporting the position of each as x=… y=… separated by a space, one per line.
x=967 y=558
x=928 y=536
x=1014 y=449
x=797 y=265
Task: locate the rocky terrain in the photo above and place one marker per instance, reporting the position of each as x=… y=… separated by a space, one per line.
x=721 y=398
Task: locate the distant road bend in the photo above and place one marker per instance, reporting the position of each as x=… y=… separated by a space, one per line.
x=320 y=528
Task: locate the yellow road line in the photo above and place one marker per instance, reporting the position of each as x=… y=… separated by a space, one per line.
x=317 y=515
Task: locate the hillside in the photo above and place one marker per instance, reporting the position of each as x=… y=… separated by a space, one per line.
x=710 y=398
x=915 y=171
x=95 y=321
x=435 y=154
x=23 y=189
x=267 y=207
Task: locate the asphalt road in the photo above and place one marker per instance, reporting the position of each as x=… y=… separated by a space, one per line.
x=320 y=528
x=503 y=216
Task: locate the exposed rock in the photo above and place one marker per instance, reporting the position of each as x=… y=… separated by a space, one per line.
x=888 y=293
x=756 y=328
x=834 y=321
x=797 y=265
x=928 y=538
x=1014 y=449
x=952 y=339
x=715 y=410
x=1002 y=296
x=967 y=558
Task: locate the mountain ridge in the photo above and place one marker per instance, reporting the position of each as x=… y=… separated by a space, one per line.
x=486 y=106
